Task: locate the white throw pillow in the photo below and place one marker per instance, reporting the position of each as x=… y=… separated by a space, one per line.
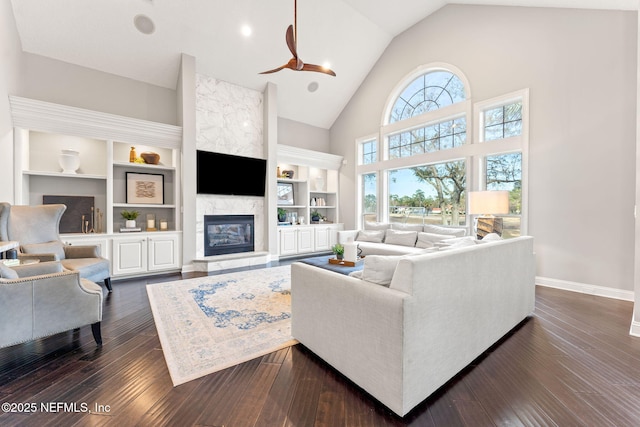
x=375 y=236
x=451 y=231
x=402 y=238
x=428 y=240
x=379 y=269
x=491 y=237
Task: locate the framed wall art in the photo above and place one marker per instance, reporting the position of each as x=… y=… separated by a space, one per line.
x=285 y=193
x=145 y=188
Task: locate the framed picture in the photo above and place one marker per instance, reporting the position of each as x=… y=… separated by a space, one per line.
x=285 y=193
x=145 y=188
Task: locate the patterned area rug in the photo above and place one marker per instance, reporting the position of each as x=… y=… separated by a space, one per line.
x=211 y=323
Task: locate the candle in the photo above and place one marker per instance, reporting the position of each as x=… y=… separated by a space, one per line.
x=151 y=223
x=350 y=251
x=163 y=224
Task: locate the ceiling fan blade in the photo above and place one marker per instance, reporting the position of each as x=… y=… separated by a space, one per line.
x=275 y=69
x=318 y=69
x=291 y=41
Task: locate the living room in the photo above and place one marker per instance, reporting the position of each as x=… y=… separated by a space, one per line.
x=579 y=65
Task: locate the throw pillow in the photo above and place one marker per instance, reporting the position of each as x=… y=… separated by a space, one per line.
x=379 y=269
x=491 y=237
x=55 y=247
x=7 y=273
x=402 y=238
x=376 y=226
x=407 y=227
x=428 y=240
x=452 y=231
x=374 y=236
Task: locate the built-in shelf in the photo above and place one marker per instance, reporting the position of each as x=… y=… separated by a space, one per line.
x=64 y=175
x=143 y=166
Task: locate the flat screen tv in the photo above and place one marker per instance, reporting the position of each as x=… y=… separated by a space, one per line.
x=219 y=173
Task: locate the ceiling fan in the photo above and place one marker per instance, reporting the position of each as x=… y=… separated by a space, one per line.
x=296 y=63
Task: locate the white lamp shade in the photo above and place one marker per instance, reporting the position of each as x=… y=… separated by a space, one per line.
x=488 y=202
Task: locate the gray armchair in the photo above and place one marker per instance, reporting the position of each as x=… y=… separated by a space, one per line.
x=36 y=228
x=42 y=299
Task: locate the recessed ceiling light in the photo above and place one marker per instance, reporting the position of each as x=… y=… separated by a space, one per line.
x=246 y=30
x=144 y=24
x=313 y=86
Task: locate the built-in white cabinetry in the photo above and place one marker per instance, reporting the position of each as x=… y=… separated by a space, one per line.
x=106 y=174
x=308 y=184
x=304 y=239
x=145 y=253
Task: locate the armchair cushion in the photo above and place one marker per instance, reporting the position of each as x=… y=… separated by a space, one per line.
x=94 y=269
x=86 y=251
x=38 y=269
x=7 y=273
x=55 y=247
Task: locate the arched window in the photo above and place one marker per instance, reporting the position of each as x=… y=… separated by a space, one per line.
x=431 y=91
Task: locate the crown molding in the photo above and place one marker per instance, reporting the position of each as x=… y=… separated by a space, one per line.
x=56 y=118
x=301 y=156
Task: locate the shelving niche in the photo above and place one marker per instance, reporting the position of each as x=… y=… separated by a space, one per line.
x=42 y=130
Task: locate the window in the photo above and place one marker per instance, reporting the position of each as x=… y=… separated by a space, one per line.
x=428 y=194
x=430 y=158
x=440 y=136
x=502 y=122
x=369 y=152
x=369 y=200
x=504 y=172
x=431 y=91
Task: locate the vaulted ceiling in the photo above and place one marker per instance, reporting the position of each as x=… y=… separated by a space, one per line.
x=348 y=34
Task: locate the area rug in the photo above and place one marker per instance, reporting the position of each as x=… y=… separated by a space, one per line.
x=211 y=323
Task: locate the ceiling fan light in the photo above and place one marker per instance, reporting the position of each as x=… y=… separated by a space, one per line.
x=144 y=24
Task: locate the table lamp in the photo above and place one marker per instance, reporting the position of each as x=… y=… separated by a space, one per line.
x=486 y=204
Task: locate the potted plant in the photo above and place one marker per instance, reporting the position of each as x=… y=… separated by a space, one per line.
x=338 y=249
x=282 y=215
x=130 y=217
x=315 y=216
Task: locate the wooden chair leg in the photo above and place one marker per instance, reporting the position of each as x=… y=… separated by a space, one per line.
x=97 y=334
x=107 y=283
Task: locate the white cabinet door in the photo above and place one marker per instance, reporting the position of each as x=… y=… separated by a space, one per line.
x=129 y=256
x=164 y=253
x=288 y=241
x=322 y=239
x=305 y=240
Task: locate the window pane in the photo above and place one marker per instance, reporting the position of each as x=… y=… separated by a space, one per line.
x=428 y=92
x=440 y=136
x=504 y=172
x=369 y=152
x=503 y=122
x=369 y=197
x=433 y=194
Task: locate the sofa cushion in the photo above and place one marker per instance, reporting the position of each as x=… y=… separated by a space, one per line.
x=55 y=247
x=460 y=243
x=376 y=226
x=375 y=236
x=379 y=269
x=428 y=240
x=399 y=237
x=370 y=248
x=451 y=231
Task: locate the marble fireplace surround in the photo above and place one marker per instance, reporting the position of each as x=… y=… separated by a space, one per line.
x=229 y=119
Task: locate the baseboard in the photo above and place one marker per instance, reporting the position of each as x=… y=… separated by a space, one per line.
x=583 y=288
x=635 y=328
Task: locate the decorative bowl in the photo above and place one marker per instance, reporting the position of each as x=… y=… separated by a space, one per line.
x=150 y=158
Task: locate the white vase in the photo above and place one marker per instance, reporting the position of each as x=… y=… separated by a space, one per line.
x=130 y=223
x=69 y=161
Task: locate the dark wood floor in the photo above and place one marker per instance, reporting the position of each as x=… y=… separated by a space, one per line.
x=572 y=364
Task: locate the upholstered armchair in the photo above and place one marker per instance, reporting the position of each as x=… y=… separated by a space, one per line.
x=36 y=228
x=5 y=243
x=42 y=299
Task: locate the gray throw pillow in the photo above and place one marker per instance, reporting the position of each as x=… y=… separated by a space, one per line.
x=6 y=272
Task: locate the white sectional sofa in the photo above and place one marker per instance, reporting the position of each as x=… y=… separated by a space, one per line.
x=434 y=314
x=399 y=239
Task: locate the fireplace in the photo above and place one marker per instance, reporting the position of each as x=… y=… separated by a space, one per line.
x=228 y=234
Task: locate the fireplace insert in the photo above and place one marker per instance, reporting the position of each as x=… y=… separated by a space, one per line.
x=228 y=234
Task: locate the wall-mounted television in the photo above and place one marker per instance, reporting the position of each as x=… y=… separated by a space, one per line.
x=219 y=173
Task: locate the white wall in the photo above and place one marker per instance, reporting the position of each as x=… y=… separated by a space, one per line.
x=10 y=65
x=302 y=135
x=580 y=67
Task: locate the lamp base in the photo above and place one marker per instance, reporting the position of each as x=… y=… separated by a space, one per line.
x=487 y=225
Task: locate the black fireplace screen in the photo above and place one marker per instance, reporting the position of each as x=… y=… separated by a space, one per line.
x=227 y=234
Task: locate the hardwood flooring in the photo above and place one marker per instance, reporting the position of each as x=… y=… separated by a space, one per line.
x=572 y=364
